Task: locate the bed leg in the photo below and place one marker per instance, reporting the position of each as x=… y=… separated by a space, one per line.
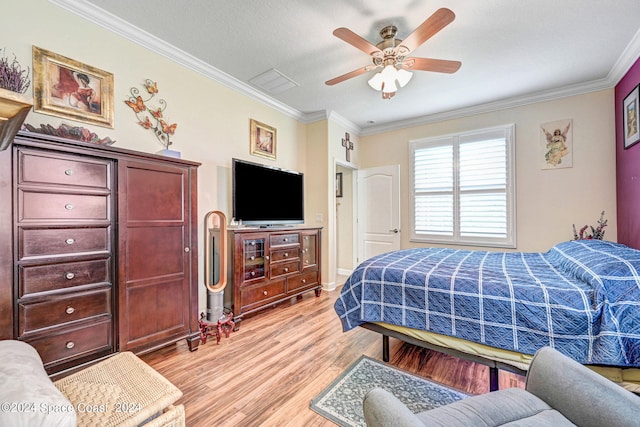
x=493 y=378
x=385 y=348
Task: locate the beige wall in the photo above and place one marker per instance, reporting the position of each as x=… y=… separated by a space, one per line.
x=548 y=201
x=213 y=120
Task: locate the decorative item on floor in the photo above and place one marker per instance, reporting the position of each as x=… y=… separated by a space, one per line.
x=630 y=126
x=341 y=401
x=556 y=142
x=223 y=325
x=596 y=233
x=347 y=144
x=69 y=89
x=262 y=139
x=77 y=133
x=151 y=117
x=338 y=184
x=14 y=105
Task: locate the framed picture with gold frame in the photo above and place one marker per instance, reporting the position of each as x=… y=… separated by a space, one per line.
x=262 y=139
x=69 y=89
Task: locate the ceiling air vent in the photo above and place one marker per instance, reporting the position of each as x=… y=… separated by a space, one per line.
x=273 y=81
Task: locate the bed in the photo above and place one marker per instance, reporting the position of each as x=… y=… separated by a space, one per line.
x=581 y=297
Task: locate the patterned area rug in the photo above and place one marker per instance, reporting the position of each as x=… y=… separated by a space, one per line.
x=341 y=401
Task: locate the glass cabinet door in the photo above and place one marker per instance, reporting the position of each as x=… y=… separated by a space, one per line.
x=254 y=259
x=309 y=250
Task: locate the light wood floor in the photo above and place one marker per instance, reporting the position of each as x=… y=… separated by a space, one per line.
x=266 y=373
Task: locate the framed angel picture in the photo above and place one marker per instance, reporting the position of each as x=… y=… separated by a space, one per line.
x=556 y=144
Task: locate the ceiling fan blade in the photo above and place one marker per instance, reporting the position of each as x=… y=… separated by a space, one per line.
x=356 y=41
x=428 y=64
x=347 y=76
x=436 y=22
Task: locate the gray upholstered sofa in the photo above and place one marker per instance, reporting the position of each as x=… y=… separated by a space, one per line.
x=558 y=392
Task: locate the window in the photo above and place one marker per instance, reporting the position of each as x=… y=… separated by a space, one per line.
x=464 y=188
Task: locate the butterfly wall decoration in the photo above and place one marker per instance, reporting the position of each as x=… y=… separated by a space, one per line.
x=151 y=117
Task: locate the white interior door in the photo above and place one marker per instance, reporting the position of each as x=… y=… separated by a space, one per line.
x=378 y=210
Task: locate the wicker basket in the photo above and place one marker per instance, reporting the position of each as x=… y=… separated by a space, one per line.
x=122 y=391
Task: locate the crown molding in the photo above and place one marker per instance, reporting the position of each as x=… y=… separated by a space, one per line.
x=136 y=35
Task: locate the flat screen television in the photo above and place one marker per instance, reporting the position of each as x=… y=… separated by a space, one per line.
x=266 y=196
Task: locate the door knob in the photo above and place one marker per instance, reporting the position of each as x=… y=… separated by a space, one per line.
x=395 y=230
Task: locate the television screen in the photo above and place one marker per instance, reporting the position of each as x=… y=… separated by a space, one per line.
x=264 y=195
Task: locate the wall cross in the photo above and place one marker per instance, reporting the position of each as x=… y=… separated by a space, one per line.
x=348 y=145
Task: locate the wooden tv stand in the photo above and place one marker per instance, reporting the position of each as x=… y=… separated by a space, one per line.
x=269 y=266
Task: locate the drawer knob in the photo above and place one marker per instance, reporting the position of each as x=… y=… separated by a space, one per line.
x=304 y=281
x=69 y=276
x=267 y=257
x=265 y=293
x=286 y=254
x=286 y=269
x=68 y=206
x=70 y=345
x=70 y=241
x=253 y=273
x=70 y=310
x=187 y=250
x=252 y=258
x=285 y=239
x=68 y=172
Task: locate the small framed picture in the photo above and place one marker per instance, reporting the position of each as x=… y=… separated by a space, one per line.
x=262 y=140
x=630 y=118
x=67 y=88
x=556 y=144
x=338 y=184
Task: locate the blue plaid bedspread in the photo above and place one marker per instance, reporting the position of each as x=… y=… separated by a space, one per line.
x=581 y=297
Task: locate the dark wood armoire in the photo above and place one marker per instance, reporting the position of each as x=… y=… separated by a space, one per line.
x=98 y=249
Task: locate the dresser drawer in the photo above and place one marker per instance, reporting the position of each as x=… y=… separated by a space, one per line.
x=61 y=206
x=256 y=296
x=37 y=242
x=285 y=254
x=67 y=344
x=302 y=281
x=58 y=169
x=43 y=278
x=63 y=309
x=286 y=267
x=284 y=239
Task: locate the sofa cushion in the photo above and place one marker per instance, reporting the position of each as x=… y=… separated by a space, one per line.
x=27 y=396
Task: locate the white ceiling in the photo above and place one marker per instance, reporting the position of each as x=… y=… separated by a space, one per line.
x=512 y=52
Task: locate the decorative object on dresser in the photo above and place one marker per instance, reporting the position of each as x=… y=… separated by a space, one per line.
x=262 y=139
x=90 y=269
x=269 y=266
x=66 y=88
x=78 y=133
x=144 y=114
x=14 y=106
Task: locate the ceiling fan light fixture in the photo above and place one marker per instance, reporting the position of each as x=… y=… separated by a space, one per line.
x=403 y=77
x=376 y=82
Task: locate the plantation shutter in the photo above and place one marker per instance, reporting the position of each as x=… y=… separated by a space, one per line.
x=462 y=188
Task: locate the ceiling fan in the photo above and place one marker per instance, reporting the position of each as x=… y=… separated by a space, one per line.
x=391 y=54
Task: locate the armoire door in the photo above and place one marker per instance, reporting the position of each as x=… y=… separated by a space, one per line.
x=155 y=253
